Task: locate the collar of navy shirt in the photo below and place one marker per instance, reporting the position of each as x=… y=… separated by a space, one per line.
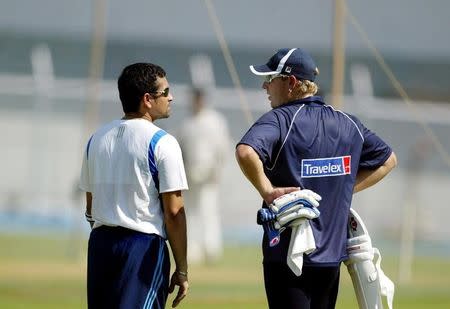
x=312 y=99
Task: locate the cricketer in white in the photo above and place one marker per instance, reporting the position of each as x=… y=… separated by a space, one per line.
x=133 y=174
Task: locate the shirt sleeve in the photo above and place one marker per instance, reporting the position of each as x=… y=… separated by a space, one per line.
x=171 y=172
x=374 y=152
x=263 y=137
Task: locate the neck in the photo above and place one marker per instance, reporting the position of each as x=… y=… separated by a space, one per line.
x=137 y=115
x=299 y=96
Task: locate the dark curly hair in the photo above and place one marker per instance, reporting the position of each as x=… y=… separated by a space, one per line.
x=136 y=80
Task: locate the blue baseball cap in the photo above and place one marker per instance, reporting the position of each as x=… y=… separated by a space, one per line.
x=289 y=61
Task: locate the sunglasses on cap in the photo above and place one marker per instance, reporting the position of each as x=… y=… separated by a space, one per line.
x=163 y=93
x=269 y=78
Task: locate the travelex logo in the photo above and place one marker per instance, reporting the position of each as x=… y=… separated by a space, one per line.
x=325 y=167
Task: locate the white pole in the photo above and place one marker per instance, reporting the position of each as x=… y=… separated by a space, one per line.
x=361 y=81
x=40 y=171
x=42 y=66
x=202 y=73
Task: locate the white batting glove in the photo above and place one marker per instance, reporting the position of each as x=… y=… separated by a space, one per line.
x=290 y=199
x=297 y=217
x=294 y=208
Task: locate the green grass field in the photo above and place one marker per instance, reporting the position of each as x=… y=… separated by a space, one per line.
x=42 y=272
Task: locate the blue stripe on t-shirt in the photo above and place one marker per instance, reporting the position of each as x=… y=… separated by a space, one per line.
x=151 y=156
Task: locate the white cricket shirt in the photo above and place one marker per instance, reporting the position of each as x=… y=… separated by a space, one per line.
x=127 y=163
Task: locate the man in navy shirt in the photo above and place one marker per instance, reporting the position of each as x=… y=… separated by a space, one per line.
x=303 y=143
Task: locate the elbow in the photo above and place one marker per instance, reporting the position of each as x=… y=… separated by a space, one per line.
x=172 y=215
x=243 y=152
x=391 y=162
x=394 y=160
x=173 y=205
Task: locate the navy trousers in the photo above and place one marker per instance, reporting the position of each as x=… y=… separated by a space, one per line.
x=126 y=269
x=315 y=288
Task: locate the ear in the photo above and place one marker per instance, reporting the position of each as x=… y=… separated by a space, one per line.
x=292 y=81
x=147 y=100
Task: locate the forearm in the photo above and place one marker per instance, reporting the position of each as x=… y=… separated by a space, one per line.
x=253 y=169
x=176 y=234
x=88 y=211
x=89 y=203
x=367 y=178
x=175 y=221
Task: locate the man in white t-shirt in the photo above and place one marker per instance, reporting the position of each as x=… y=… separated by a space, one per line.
x=133 y=175
x=205 y=142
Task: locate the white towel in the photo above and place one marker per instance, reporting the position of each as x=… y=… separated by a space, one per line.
x=302 y=242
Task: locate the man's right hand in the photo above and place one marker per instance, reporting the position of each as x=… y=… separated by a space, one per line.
x=181 y=280
x=296 y=207
x=275 y=193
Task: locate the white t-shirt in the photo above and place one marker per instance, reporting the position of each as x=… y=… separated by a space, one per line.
x=127 y=163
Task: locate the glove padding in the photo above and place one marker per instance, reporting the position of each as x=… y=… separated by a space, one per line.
x=294 y=208
x=264 y=216
x=268 y=219
x=297 y=217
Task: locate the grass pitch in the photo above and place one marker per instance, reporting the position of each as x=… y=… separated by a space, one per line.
x=49 y=272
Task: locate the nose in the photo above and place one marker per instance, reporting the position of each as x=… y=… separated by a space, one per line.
x=265 y=85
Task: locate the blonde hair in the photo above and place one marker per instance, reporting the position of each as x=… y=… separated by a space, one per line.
x=304 y=88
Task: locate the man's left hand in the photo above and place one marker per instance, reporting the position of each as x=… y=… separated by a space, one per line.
x=181 y=280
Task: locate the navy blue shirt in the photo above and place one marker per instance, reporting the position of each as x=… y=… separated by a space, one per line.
x=309 y=144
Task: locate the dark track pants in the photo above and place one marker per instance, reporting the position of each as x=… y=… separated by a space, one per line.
x=315 y=288
x=126 y=269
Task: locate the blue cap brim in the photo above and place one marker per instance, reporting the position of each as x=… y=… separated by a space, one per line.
x=262 y=70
